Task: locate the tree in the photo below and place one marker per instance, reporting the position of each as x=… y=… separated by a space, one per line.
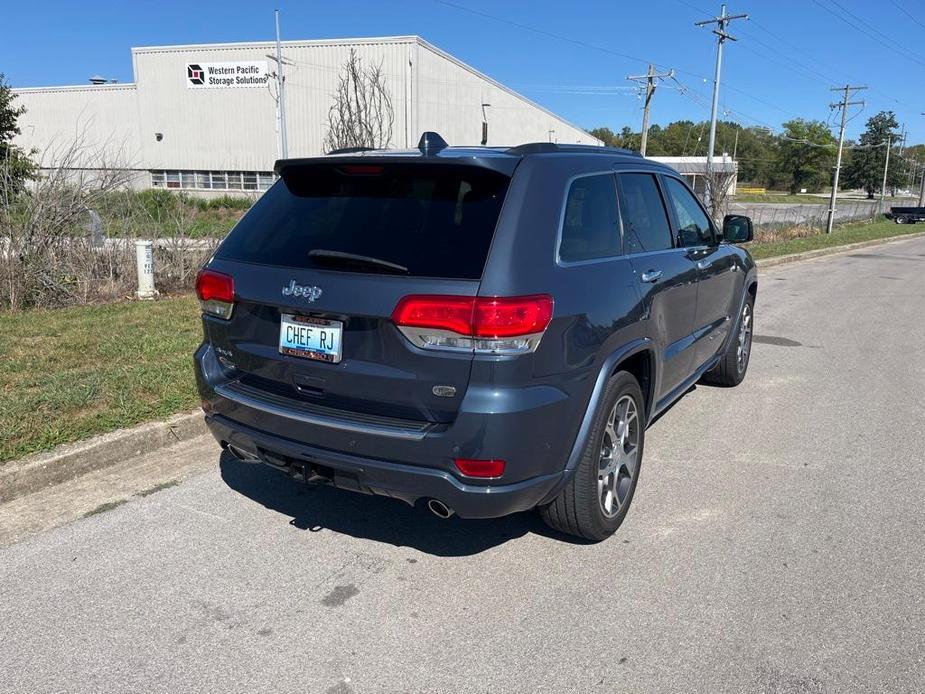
x=807 y=153
x=362 y=113
x=16 y=166
x=605 y=135
x=865 y=167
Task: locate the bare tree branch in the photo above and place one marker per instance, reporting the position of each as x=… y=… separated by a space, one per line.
x=361 y=114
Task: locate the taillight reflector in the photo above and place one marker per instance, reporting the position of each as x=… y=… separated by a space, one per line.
x=483 y=317
x=471 y=467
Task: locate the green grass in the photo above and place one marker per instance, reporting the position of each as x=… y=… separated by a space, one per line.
x=159 y=213
x=781 y=197
x=841 y=235
x=75 y=372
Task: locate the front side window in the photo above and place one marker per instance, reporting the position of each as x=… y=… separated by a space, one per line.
x=693 y=224
x=645 y=221
x=590 y=226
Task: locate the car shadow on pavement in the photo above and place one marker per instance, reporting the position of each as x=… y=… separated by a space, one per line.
x=376 y=518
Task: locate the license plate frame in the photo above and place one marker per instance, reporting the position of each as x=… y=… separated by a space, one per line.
x=289 y=347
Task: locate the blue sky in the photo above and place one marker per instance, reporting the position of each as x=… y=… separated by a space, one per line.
x=570 y=57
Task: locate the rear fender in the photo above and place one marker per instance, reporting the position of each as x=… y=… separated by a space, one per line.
x=587 y=422
x=750 y=279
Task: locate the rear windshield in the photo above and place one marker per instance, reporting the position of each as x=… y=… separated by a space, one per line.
x=431 y=220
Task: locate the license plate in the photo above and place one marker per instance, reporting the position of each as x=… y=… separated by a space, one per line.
x=312 y=338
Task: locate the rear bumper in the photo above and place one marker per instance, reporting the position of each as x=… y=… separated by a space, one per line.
x=531 y=427
x=370 y=476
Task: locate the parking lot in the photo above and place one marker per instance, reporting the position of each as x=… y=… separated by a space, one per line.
x=776 y=543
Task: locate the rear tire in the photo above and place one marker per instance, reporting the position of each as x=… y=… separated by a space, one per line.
x=730 y=371
x=597 y=498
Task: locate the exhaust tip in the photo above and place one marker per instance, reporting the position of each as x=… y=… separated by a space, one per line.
x=243 y=456
x=439 y=509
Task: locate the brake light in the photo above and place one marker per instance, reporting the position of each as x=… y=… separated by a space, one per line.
x=509 y=317
x=216 y=293
x=471 y=467
x=361 y=170
x=483 y=324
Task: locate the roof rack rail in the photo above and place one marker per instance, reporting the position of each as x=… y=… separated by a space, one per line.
x=352 y=150
x=548 y=147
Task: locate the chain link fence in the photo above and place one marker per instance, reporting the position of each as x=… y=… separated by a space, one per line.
x=778 y=221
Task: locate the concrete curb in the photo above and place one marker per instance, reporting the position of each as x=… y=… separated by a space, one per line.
x=820 y=252
x=21 y=477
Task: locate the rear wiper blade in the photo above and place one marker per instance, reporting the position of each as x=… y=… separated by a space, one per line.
x=353 y=258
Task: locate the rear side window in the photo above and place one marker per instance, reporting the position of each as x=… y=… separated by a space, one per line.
x=693 y=224
x=432 y=220
x=645 y=222
x=589 y=225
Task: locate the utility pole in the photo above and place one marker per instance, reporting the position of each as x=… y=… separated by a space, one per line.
x=922 y=189
x=651 y=79
x=843 y=105
x=281 y=95
x=721 y=23
x=886 y=166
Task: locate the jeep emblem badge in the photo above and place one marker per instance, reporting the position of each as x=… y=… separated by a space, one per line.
x=293 y=289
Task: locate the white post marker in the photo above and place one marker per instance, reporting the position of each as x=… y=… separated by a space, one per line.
x=144 y=260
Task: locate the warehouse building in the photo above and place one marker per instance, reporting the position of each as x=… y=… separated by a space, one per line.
x=694 y=170
x=203 y=117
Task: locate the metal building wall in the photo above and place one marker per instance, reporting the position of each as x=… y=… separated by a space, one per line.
x=101 y=119
x=449 y=98
x=234 y=129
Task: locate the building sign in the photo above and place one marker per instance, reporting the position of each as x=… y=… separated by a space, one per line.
x=245 y=73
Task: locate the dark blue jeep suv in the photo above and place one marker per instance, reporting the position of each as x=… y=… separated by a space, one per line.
x=485 y=330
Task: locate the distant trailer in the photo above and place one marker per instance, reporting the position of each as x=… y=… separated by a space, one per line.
x=906 y=215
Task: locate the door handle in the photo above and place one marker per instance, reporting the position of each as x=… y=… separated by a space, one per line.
x=651 y=275
x=703 y=265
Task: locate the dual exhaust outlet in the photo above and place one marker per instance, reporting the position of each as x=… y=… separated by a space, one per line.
x=435 y=506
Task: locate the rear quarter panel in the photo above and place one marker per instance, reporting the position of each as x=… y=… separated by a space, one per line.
x=597 y=304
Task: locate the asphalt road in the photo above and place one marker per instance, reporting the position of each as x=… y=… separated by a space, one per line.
x=776 y=544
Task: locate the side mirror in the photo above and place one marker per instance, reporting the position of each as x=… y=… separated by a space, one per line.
x=737 y=228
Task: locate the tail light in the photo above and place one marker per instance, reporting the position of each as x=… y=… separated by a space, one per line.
x=485 y=469
x=216 y=293
x=498 y=325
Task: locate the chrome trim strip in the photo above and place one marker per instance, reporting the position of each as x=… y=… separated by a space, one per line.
x=318 y=420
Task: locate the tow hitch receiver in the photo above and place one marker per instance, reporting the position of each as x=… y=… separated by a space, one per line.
x=309 y=473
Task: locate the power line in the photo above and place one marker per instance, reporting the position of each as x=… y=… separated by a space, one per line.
x=775 y=49
x=542 y=32
x=907 y=13
x=602 y=49
x=870 y=32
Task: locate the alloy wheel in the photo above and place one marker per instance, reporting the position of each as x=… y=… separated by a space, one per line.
x=745 y=338
x=619 y=459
